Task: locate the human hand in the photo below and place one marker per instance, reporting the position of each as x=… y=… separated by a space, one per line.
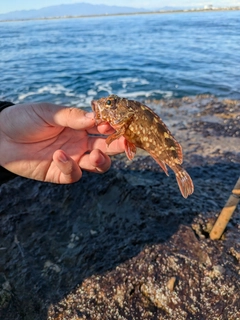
x=53 y=143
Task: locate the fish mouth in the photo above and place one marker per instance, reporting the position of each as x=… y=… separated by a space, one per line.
x=94 y=105
x=95 y=109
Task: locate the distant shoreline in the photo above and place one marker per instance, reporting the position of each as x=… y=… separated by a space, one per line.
x=126 y=14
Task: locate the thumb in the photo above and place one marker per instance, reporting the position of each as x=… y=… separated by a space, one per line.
x=74 y=118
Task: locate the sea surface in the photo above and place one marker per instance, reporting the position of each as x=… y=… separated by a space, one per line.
x=72 y=61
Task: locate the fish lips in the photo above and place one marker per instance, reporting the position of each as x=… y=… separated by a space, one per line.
x=94 y=105
x=95 y=109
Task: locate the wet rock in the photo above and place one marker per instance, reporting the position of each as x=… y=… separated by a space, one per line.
x=126 y=245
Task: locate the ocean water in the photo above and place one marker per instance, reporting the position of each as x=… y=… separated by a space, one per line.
x=152 y=56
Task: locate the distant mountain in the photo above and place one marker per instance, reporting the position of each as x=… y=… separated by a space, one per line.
x=75 y=9
x=167 y=8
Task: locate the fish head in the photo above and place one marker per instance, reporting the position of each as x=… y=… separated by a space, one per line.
x=112 y=109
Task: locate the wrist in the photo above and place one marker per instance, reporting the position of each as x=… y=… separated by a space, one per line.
x=5 y=104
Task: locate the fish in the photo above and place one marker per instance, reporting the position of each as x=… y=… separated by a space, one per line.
x=143 y=128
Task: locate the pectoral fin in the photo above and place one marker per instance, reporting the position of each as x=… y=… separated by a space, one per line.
x=115 y=135
x=130 y=149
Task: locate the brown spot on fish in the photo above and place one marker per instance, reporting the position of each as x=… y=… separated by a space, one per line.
x=149 y=116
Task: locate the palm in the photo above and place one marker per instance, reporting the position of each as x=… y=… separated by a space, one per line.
x=39 y=153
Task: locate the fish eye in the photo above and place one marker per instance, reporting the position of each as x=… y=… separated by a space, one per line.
x=109 y=102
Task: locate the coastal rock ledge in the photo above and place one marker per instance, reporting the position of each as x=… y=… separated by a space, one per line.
x=126 y=244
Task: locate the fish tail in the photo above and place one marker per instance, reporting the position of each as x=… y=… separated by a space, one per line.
x=184 y=181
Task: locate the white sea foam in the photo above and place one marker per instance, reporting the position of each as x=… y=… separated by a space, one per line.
x=127 y=80
x=84 y=99
x=23 y=96
x=123 y=83
x=54 y=89
x=146 y=94
x=91 y=92
x=104 y=86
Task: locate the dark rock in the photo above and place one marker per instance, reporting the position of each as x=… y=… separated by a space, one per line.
x=126 y=244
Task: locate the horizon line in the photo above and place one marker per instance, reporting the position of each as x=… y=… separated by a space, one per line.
x=237 y=8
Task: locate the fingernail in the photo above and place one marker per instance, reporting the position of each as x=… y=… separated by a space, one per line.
x=101 y=160
x=63 y=158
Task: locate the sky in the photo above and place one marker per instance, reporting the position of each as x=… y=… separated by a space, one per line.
x=14 y=5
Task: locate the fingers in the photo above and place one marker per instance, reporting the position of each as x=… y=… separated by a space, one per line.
x=105 y=128
x=70 y=171
x=96 y=161
x=74 y=118
x=117 y=146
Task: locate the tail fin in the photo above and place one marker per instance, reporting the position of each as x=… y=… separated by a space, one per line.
x=184 y=181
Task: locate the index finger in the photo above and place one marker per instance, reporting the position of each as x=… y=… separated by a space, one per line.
x=104 y=129
x=115 y=147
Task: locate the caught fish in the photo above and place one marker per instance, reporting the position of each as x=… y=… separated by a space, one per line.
x=144 y=129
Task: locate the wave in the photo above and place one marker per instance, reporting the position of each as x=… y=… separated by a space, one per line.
x=58 y=93
x=151 y=56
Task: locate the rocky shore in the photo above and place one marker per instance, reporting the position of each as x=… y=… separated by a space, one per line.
x=126 y=244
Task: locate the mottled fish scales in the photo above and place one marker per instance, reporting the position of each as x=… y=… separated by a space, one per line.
x=144 y=129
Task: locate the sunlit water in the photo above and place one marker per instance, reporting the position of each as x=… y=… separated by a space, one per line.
x=144 y=56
